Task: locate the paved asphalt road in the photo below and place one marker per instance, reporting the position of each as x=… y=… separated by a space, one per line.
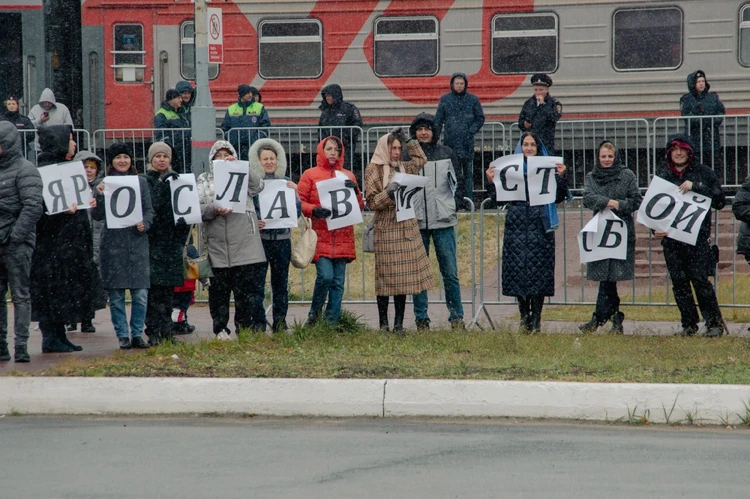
x=62 y=457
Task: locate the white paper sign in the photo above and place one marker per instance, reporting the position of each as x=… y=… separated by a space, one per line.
x=410 y=186
x=341 y=200
x=604 y=236
x=666 y=209
x=541 y=179
x=65 y=184
x=122 y=201
x=185 y=202
x=278 y=205
x=230 y=185
x=509 y=182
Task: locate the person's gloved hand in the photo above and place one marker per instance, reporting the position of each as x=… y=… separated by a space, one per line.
x=320 y=212
x=169 y=175
x=392 y=188
x=181 y=223
x=351 y=184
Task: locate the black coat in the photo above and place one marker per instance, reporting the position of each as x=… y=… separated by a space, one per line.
x=741 y=209
x=528 y=249
x=165 y=240
x=63 y=275
x=338 y=114
x=462 y=116
x=542 y=118
x=25 y=126
x=704 y=133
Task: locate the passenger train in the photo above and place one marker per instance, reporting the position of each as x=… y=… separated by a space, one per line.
x=607 y=58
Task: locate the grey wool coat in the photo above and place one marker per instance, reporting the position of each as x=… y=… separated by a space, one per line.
x=622 y=187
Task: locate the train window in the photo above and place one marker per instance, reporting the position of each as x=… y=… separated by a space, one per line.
x=187 y=53
x=128 y=53
x=524 y=43
x=647 y=39
x=406 y=46
x=290 y=49
x=745 y=35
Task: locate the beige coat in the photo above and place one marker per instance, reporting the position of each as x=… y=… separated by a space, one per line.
x=401 y=263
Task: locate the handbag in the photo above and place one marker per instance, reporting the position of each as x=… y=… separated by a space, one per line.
x=197 y=268
x=303 y=251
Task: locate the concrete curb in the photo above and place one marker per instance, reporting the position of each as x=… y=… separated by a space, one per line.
x=710 y=404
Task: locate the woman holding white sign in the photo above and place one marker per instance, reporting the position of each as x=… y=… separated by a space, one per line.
x=124 y=255
x=611 y=186
x=268 y=159
x=401 y=264
x=528 y=245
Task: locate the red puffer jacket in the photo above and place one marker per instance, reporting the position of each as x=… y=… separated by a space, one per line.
x=337 y=243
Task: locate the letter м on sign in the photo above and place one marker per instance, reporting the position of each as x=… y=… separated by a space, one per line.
x=215 y=36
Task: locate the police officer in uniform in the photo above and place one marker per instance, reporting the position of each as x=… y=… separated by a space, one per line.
x=540 y=113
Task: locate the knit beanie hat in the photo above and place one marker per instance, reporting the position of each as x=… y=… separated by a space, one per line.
x=158 y=147
x=243 y=90
x=171 y=94
x=118 y=148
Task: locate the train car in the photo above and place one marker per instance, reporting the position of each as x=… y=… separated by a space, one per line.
x=22 y=61
x=608 y=59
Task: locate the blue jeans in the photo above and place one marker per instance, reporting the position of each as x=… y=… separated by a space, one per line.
x=328 y=283
x=445 y=250
x=139 y=302
x=465 y=167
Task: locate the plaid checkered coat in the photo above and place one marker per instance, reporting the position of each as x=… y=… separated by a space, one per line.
x=401 y=263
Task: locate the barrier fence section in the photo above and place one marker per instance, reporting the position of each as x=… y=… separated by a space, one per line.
x=577 y=140
x=721 y=142
x=29 y=142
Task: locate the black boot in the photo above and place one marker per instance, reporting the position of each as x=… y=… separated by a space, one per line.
x=398 y=322
x=21 y=354
x=524 y=309
x=592 y=325
x=63 y=338
x=537 y=303
x=617 y=321
x=154 y=338
x=383 y=312
x=87 y=326
x=51 y=343
x=4 y=353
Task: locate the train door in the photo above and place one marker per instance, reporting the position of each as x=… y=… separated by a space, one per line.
x=11 y=57
x=129 y=81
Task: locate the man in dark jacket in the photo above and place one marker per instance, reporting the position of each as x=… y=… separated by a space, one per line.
x=462 y=115
x=187 y=96
x=436 y=208
x=704 y=133
x=20 y=208
x=169 y=116
x=23 y=124
x=336 y=112
x=741 y=209
x=541 y=112
x=689 y=264
x=245 y=113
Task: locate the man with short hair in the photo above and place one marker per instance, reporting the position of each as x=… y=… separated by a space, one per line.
x=20 y=208
x=541 y=112
x=436 y=207
x=689 y=264
x=462 y=115
x=169 y=117
x=245 y=113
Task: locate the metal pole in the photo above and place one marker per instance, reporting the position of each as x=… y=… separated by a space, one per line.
x=204 y=113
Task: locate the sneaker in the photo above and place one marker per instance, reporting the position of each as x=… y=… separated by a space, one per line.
x=125 y=343
x=713 y=332
x=21 y=354
x=423 y=324
x=458 y=324
x=223 y=336
x=137 y=342
x=687 y=331
x=87 y=327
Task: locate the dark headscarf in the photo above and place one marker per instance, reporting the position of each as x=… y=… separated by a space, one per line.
x=606 y=175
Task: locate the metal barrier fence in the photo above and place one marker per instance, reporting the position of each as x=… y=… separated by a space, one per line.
x=140 y=139
x=577 y=141
x=29 y=142
x=721 y=142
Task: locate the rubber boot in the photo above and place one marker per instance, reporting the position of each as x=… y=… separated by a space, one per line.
x=592 y=325
x=63 y=338
x=383 y=312
x=524 y=309
x=398 y=323
x=537 y=303
x=4 y=353
x=21 y=354
x=617 y=321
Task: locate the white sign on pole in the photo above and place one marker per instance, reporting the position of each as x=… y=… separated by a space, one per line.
x=65 y=184
x=122 y=201
x=410 y=186
x=541 y=179
x=666 y=209
x=278 y=205
x=230 y=185
x=342 y=202
x=604 y=236
x=185 y=202
x=509 y=182
x=215 y=36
